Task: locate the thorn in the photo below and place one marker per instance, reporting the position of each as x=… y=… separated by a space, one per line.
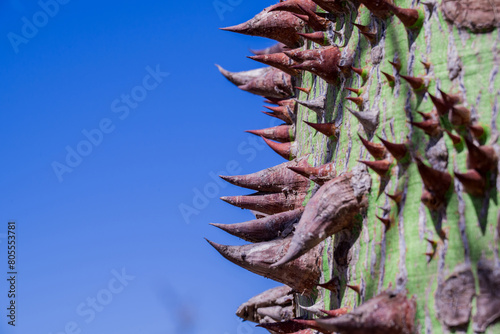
x=280 y=26
x=309 y=324
x=336 y=313
x=242 y=78
x=390 y=79
x=323 y=62
x=264 y=229
x=290 y=103
x=380 y=9
x=363 y=73
x=280 y=295
x=280 y=113
x=356 y=100
x=482 y=158
x=362 y=28
x=327 y=214
x=430 y=201
x=318 y=37
x=273 y=84
x=278 y=60
x=295 y=325
x=459 y=115
x=280 y=133
x=365 y=31
x=398 y=151
x=456 y=140
x=301 y=55
x=274 y=179
x=430 y=255
x=281 y=117
x=276 y=48
x=305 y=90
x=443 y=233
x=381 y=167
x=376 y=150
x=302 y=275
x=450 y=99
x=328 y=129
x=332 y=6
x=293 y=6
x=317 y=105
x=479 y=131
x=426 y=116
x=474 y=184
x=283 y=149
x=332 y=285
x=270 y=101
x=320 y=174
x=278 y=110
x=268 y=203
x=314 y=21
x=430 y=127
x=396 y=64
x=432 y=243
x=429 y=4
x=355 y=91
x=356 y=288
x=386 y=221
x=397 y=197
x=370 y=36
x=389 y=312
x=427 y=65
x=412 y=19
x=436 y=182
x=417 y=84
x=441 y=107
x=369 y=120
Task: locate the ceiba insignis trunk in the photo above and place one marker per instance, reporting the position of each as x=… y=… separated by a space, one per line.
x=411 y=91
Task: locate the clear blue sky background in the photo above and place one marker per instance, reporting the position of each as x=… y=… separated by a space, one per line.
x=118 y=209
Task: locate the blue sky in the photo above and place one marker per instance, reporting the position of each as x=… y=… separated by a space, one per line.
x=131 y=88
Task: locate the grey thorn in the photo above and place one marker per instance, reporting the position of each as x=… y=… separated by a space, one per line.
x=242 y=78
x=318 y=105
x=368 y=119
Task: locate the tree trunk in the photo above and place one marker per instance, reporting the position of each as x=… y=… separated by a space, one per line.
x=439 y=246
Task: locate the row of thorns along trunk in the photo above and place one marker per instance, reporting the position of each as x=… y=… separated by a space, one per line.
x=286 y=237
